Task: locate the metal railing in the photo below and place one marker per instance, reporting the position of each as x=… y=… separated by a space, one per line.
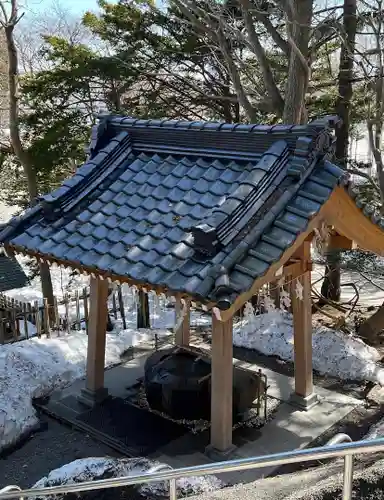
x=10 y=488
x=347 y=451
x=348 y=465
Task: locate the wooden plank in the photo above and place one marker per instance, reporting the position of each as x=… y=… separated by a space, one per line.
x=143 y=320
x=2 y=327
x=66 y=305
x=25 y=315
x=96 y=334
x=78 y=319
x=182 y=333
x=46 y=322
x=56 y=314
x=302 y=324
x=85 y=305
x=17 y=325
x=221 y=385
x=30 y=312
x=37 y=318
x=13 y=321
x=121 y=306
x=114 y=305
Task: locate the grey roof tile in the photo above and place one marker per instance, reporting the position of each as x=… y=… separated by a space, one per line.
x=292 y=221
x=118 y=250
x=74 y=254
x=267 y=252
x=279 y=237
x=102 y=246
x=132 y=214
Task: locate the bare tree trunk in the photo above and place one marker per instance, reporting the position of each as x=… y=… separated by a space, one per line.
x=330 y=288
x=343 y=105
x=298 y=30
x=14 y=127
x=371 y=327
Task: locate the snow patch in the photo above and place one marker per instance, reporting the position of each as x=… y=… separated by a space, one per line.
x=35 y=368
x=334 y=352
x=94 y=468
x=376 y=431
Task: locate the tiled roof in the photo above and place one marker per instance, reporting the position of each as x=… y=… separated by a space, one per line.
x=197 y=207
x=11 y=273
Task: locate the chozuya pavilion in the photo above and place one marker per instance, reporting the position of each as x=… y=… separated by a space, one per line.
x=206 y=212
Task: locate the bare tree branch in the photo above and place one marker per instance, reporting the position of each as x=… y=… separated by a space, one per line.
x=366 y=176
x=269 y=81
x=233 y=71
x=264 y=19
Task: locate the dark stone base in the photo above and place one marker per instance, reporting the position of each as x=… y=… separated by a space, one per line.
x=178 y=383
x=304 y=403
x=91 y=398
x=219 y=455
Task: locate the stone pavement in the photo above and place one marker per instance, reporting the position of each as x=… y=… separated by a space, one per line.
x=289 y=429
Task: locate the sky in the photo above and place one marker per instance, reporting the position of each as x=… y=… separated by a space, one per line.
x=76 y=6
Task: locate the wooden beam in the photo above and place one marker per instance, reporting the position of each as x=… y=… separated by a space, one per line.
x=302 y=324
x=295 y=267
x=94 y=388
x=275 y=268
x=341 y=212
x=340 y=242
x=182 y=333
x=221 y=387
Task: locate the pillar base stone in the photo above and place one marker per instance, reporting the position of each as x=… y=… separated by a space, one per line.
x=304 y=403
x=219 y=455
x=91 y=398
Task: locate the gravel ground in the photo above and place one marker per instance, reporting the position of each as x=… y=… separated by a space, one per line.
x=321 y=483
x=368 y=484
x=48 y=450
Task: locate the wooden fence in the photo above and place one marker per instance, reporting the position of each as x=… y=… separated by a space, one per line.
x=22 y=320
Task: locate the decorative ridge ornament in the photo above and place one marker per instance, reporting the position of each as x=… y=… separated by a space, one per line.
x=249 y=198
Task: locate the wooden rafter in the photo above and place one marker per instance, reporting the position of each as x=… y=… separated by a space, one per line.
x=275 y=269
x=103 y=275
x=348 y=220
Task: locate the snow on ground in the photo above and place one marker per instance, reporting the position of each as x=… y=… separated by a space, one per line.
x=6 y=212
x=94 y=468
x=369 y=294
x=34 y=368
x=334 y=353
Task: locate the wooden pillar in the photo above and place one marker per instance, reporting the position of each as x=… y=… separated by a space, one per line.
x=221 y=389
x=182 y=333
x=95 y=391
x=304 y=396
